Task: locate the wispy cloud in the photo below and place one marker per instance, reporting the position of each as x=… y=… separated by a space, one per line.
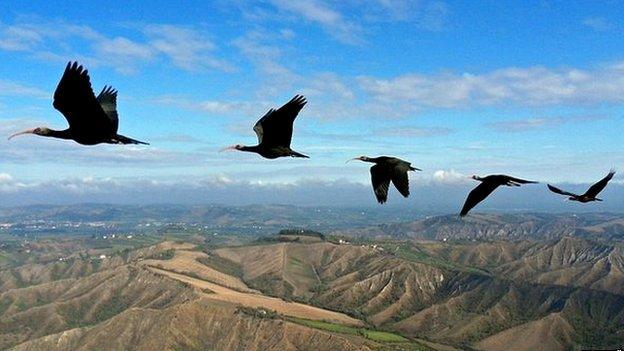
x=523 y=125
x=8 y=88
x=599 y=24
x=321 y=13
x=449 y=177
x=415 y=132
x=215 y=107
x=177 y=138
x=264 y=50
x=185 y=47
x=427 y=15
x=532 y=86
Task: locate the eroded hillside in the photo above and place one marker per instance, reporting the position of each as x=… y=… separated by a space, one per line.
x=163 y=297
x=475 y=300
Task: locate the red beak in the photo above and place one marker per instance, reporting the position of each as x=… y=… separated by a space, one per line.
x=28 y=131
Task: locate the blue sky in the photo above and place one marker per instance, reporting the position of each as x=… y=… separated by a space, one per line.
x=529 y=88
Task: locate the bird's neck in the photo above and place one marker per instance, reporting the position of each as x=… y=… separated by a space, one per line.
x=60 y=134
x=249 y=148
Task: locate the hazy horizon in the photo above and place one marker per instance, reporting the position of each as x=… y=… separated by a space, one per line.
x=425 y=198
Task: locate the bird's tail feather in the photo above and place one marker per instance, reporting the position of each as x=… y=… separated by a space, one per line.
x=125 y=140
x=296 y=154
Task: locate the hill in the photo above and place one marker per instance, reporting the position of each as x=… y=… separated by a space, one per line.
x=395 y=288
x=162 y=297
x=538 y=226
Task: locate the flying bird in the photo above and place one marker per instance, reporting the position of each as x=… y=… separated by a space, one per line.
x=388 y=169
x=487 y=186
x=274 y=131
x=590 y=194
x=92 y=120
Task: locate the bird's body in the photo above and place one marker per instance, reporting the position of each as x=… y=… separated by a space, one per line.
x=487 y=186
x=590 y=194
x=388 y=169
x=274 y=131
x=92 y=120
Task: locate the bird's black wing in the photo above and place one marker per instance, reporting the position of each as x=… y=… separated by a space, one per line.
x=380 y=177
x=595 y=189
x=560 y=192
x=521 y=181
x=258 y=127
x=400 y=179
x=75 y=99
x=477 y=195
x=108 y=101
x=275 y=128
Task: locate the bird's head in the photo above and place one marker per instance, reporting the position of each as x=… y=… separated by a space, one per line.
x=43 y=131
x=233 y=147
x=360 y=158
x=475 y=177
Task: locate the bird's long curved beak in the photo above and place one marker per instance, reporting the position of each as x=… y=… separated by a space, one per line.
x=232 y=147
x=28 y=131
x=353 y=159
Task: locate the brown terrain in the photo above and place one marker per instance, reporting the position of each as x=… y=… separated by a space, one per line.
x=160 y=297
x=564 y=294
x=558 y=294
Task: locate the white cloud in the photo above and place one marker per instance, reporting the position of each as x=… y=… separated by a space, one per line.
x=124 y=47
x=211 y=106
x=599 y=24
x=5 y=178
x=185 y=47
x=8 y=88
x=448 y=177
x=445 y=195
x=8 y=184
x=287 y=34
x=415 y=132
x=19 y=37
x=434 y=16
x=522 y=125
x=330 y=19
x=260 y=48
x=519 y=86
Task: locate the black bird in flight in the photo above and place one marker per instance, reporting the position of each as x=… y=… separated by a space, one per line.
x=275 y=131
x=92 y=120
x=590 y=194
x=487 y=186
x=388 y=169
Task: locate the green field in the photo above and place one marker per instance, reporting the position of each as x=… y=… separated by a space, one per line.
x=382 y=336
x=374 y=335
